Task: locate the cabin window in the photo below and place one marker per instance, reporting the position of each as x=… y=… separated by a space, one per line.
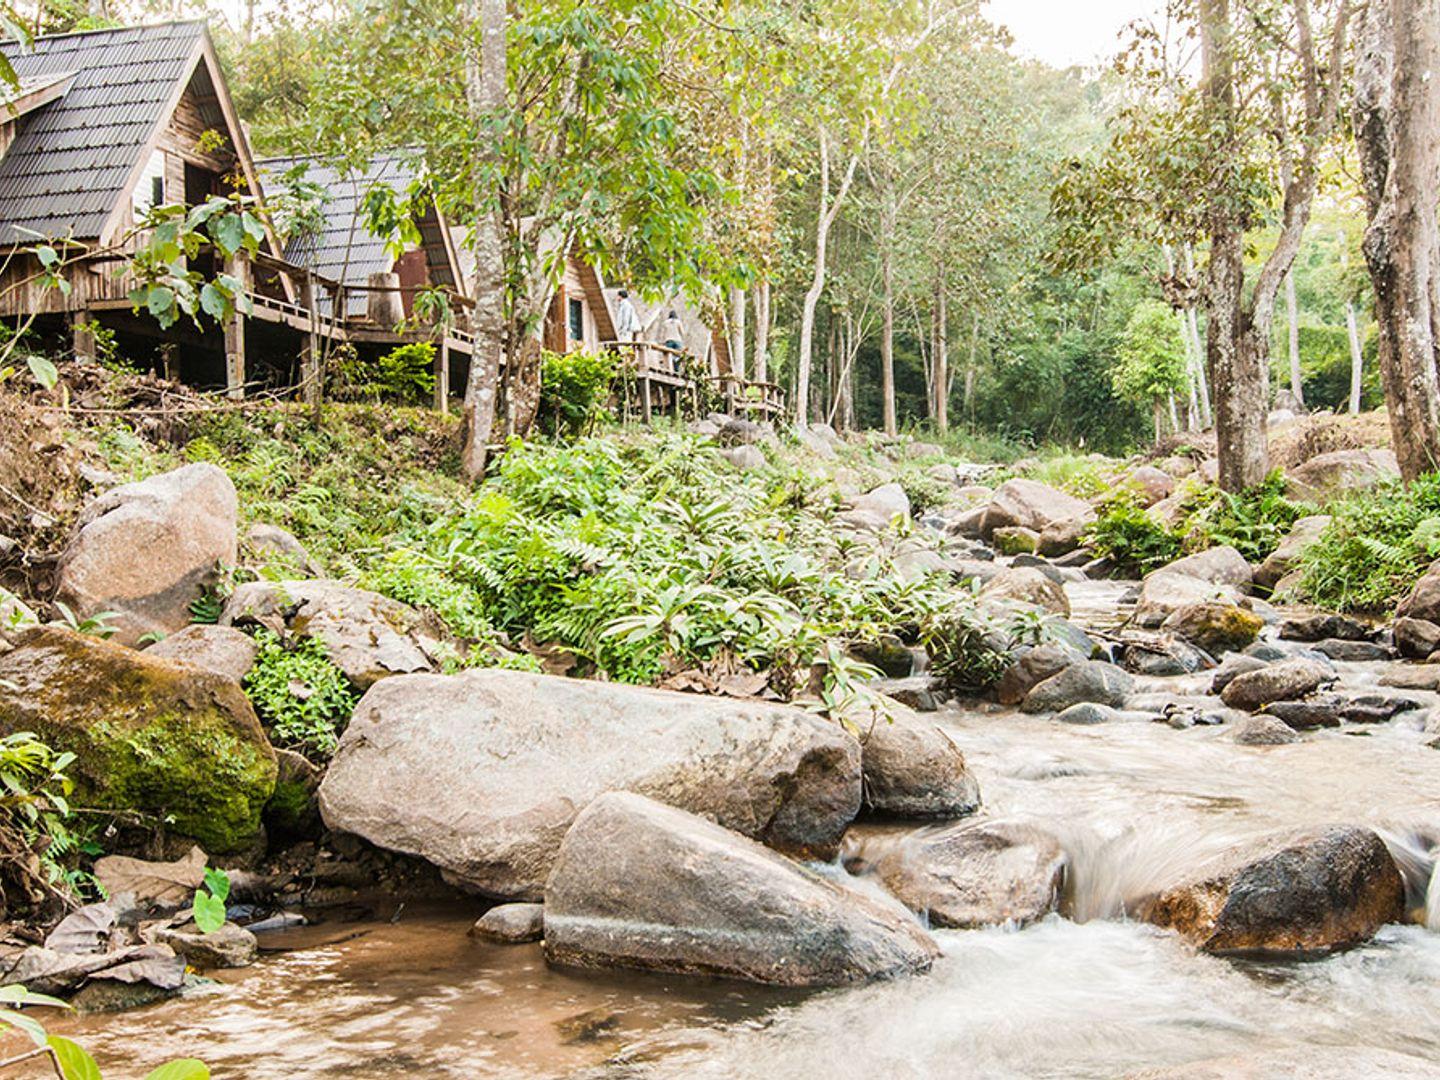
x=150 y=191
x=577 y=320
x=157 y=191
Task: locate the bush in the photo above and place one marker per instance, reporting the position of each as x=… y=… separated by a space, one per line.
x=573 y=390
x=403 y=376
x=1128 y=537
x=1253 y=522
x=1377 y=546
x=302 y=698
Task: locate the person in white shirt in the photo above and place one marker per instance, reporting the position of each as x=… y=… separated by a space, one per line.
x=674 y=336
x=627 y=319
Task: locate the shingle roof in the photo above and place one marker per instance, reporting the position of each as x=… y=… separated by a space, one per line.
x=69 y=164
x=344 y=249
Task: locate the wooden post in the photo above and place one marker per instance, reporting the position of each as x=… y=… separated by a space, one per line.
x=169 y=361
x=239 y=268
x=313 y=389
x=442 y=376
x=82 y=337
x=642 y=365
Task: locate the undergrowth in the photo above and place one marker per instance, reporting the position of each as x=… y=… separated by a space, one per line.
x=302 y=698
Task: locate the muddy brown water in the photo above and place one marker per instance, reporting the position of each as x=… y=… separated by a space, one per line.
x=1087 y=994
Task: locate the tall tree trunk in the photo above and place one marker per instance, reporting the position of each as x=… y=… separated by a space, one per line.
x=1357 y=358
x=1397 y=111
x=1197 y=348
x=829 y=210
x=1292 y=311
x=887 y=343
x=942 y=358
x=486 y=95
x=762 y=330
x=738 y=308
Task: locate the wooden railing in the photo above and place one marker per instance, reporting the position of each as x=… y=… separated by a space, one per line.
x=747 y=395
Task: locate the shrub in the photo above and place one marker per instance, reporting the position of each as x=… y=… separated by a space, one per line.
x=403 y=376
x=1378 y=544
x=573 y=390
x=302 y=698
x=1128 y=537
x=1253 y=522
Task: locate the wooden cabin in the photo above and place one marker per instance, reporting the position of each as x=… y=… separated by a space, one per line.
x=106 y=124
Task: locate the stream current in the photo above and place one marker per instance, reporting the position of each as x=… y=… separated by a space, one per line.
x=1086 y=994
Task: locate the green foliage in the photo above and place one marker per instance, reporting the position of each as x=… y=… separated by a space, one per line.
x=1253 y=522
x=924 y=492
x=97 y=625
x=573 y=389
x=404 y=376
x=1126 y=535
x=1378 y=544
x=301 y=697
x=35 y=814
x=174 y=236
x=208 y=908
x=1079 y=475
x=1151 y=354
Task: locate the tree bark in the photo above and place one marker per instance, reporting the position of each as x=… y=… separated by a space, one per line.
x=1292 y=312
x=762 y=330
x=1197 y=348
x=887 y=343
x=738 y=308
x=1357 y=358
x=486 y=94
x=1397 y=110
x=942 y=358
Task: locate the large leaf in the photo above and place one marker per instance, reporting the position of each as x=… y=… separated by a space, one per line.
x=75 y=1062
x=182 y=1069
x=45 y=372
x=208 y=912
x=228 y=232
x=214 y=302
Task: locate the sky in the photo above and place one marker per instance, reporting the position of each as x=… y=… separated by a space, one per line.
x=1066 y=32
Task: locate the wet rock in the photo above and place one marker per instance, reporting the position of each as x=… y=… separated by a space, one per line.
x=507 y=759
x=1164 y=592
x=1035 y=562
x=990 y=873
x=1306 y=896
x=1322 y=712
x=1286 y=557
x=1088 y=713
x=1423 y=601
x=229 y=947
x=1416 y=639
x=887 y=653
x=1355 y=652
x=169 y=741
x=915 y=769
x=511 y=924
x=1033 y=505
x=1376 y=708
x=1034 y=666
x=1412 y=677
x=638 y=884
x=1288 y=680
x=1064 y=632
x=367 y=636
x=917 y=692
x=1063 y=537
x=1159 y=655
x=1263 y=730
x=147 y=551
x=1088 y=681
x=745 y=458
x=47 y=971
x=1218 y=565
x=1322 y=626
x=1215 y=627
x=1267 y=652
x=221 y=649
x=1340 y=472
x=1026 y=585
x=293 y=812
x=1151 y=484
x=879 y=509
x=1232 y=668
x=1015 y=540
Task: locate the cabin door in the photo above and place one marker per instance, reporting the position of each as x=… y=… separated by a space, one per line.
x=414 y=271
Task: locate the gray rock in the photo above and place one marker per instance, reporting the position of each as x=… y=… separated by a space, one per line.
x=878 y=510
x=1218 y=565
x=1287 y=556
x=367 y=636
x=915 y=769
x=1089 y=681
x=1063 y=537
x=990 y=873
x=891 y=655
x=221 y=649
x=1159 y=655
x=1262 y=730
x=270 y=543
x=1376 y=708
x=1423 y=601
x=638 y=884
x=1340 y=472
x=1321 y=712
x=1297 y=897
x=918 y=692
x=229 y=947
x=1355 y=652
x=1416 y=639
x=1322 y=626
x=511 y=924
x=1267 y=652
x=1087 y=713
x=1151 y=484
x=1412 y=677
x=1026 y=585
x=746 y=457
x=1015 y=540
x=1288 y=680
x=1035 y=562
x=507 y=759
x=147 y=551
x=1165 y=592
x=1233 y=667
x=1033 y=666
x=1216 y=627
x=1033 y=505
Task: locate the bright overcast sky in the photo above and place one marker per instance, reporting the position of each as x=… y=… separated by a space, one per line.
x=1066 y=32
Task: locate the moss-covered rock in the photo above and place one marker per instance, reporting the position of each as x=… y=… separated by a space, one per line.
x=148 y=735
x=1215 y=626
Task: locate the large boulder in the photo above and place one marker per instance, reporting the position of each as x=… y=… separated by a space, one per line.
x=1089 y=681
x=1215 y=627
x=1340 y=472
x=1416 y=639
x=1029 y=586
x=147 y=551
x=170 y=741
x=482 y=773
x=1287 y=556
x=638 y=884
x=1218 y=565
x=1423 y=601
x=982 y=874
x=1152 y=485
x=914 y=769
x=366 y=635
x=1288 y=680
x=879 y=509
x=221 y=649
x=1033 y=666
x=1163 y=593
x=1033 y=505
x=1305 y=896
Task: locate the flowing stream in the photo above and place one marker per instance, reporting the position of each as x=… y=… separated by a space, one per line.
x=1089 y=994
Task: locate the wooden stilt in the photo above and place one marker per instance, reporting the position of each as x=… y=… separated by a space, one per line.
x=442 y=377
x=235 y=336
x=313 y=390
x=82 y=337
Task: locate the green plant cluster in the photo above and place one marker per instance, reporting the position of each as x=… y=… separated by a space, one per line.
x=1126 y=535
x=573 y=390
x=1253 y=522
x=302 y=698
x=1378 y=544
x=403 y=376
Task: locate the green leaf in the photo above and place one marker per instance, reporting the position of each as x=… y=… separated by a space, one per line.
x=208 y=911
x=214 y=302
x=228 y=232
x=218 y=882
x=28 y=1024
x=181 y=1069
x=47 y=255
x=75 y=1062
x=45 y=372
x=161 y=301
